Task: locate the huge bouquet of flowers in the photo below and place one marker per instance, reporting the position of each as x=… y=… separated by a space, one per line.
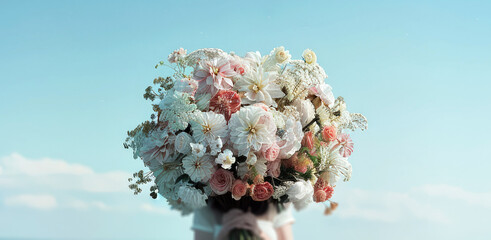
x=266 y=128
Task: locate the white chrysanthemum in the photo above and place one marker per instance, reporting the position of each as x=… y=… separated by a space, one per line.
x=300 y=194
x=192 y=197
x=248 y=132
x=199 y=169
x=259 y=86
x=208 y=126
x=226 y=159
x=333 y=164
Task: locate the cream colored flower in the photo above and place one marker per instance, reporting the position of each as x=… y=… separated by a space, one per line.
x=251 y=127
x=280 y=55
x=309 y=56
x=258 y=86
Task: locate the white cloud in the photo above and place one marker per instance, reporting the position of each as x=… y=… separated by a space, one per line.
x=86 y=205
x=42 y=202
x=46 y=173
x=457 y=193
x=388 y=206
x=155 y=210
x=17 y=164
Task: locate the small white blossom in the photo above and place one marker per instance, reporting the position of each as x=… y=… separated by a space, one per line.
x=216 y=146
x=226 y=159
x=309 y=56
x=197 y=149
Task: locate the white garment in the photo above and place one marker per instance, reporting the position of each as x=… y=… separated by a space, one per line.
x=204 y=220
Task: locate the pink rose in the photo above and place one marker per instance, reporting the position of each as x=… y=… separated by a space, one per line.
x=320 y=196
x=308 y=140
x=329 y=133
x=274 y=168
x=221 y=181
x=261 y=191
x=239 y=189
x=272 y=153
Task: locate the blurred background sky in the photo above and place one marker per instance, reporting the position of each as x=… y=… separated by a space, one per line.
x=72 y=76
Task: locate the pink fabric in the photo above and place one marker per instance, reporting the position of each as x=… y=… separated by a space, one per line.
x=236 y=218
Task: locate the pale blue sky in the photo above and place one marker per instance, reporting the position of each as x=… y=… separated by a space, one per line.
x=72 y=75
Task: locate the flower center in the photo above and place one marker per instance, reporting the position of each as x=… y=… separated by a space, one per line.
x=206 y=129
x=215 y=70
x=255 y=88
x=197 y=164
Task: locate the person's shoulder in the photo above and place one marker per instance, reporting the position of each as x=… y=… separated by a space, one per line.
x=204 y=220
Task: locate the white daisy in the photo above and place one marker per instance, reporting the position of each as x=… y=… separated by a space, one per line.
x=259 y=86
x=208 y=126
x=199 y=169
x=226 y=159
x=251 y=127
